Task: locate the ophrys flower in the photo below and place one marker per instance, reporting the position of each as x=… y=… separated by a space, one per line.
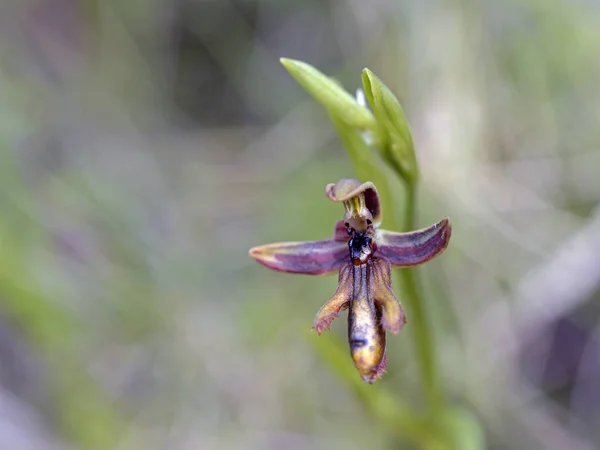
x=363 y=254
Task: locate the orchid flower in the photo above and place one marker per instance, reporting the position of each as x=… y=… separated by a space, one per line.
x=363 y=255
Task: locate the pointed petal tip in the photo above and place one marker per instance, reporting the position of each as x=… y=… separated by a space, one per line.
x=263 y=257
x=377 y=372
x=261 y=254
x=446 y=225
x=443 y=225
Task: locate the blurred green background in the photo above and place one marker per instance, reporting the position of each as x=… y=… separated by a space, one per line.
x=146 y=145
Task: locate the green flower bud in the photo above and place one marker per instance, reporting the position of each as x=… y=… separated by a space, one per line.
x=397 y=145
x=330 y=94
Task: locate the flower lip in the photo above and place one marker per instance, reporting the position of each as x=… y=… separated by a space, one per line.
x=350 y=191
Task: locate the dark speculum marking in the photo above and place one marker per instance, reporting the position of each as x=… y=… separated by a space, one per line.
x=359 y=244
x=357 y=343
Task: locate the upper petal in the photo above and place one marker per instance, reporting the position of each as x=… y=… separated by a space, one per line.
x=349 y=191
x=415 y=247
x=311 y=257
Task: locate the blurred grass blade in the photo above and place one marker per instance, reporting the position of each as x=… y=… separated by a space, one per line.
x=397 y=145
x=463 y=429
x=84 y=413
x=329 y=93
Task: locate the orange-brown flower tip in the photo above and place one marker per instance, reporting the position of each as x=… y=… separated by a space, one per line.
x=263 y=255
x=376 y=373
x=370 y=356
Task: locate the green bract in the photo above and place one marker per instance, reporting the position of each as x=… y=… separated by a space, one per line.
x=328 y=92
x=397 y=146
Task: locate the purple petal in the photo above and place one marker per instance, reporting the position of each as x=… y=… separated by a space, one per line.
x=340 y=300
x=312 y=257
x=415 y=247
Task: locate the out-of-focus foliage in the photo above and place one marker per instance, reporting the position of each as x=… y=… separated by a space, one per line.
x=146 y=145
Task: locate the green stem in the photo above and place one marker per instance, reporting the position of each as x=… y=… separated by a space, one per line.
x=424 y=345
